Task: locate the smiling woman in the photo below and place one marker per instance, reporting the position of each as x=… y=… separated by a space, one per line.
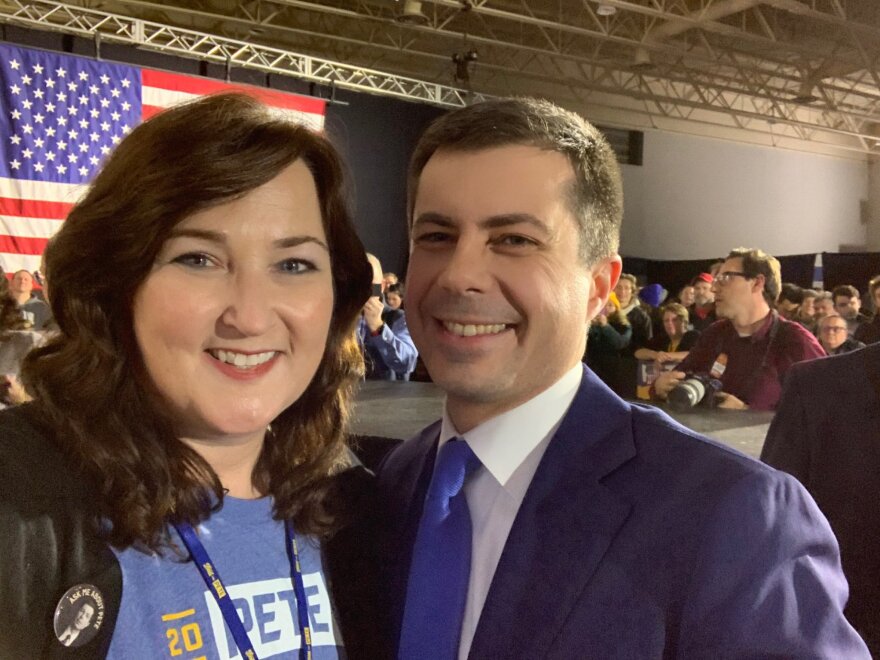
x=186 y=446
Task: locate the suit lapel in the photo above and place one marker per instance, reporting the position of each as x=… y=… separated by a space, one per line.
x=563 y=529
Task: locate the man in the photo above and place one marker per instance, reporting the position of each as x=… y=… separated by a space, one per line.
x=834 y=337
x=791 y=297
x=389 y=351
x=752 y=347
x=80 y=622
x=586 y=526
x=847 y=303
x=823 y=305
x=830 y=443
x=702 y=312
x=869 y=333
x=34 y=311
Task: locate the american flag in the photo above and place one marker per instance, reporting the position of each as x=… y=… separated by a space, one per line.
x=61 y=115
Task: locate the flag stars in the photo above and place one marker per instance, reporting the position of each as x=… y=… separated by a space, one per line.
x=62 y=169
x=15 y=139
x=83 y=147
x=126 y=83
x=62 y=145
x=83 y=100
x=38 y=118
x=38 y=94
x=62 y=120
x=83 y=171
x=26 y=79
x=28 y=129
x=72 y=134
x=50 y=132
x=15 y=114
x=50 y=83
x=50 y=107
x=61 y=73
x=14 y=164
x=116 y=139
x=26 y=104
x=94 y=89
x=83 y=123
x=115 y=116
x=94 y=160
x=105 y=150
x=39 y=142
x=27 y=153
x=126 y=106
x=94 y=112
x=71 y=87
x=71 y=158
x=61 y=97
x=105 y=79
x=105 y=103
x=83 y=75
x=126 y=128
x=15 y=89
x=94 y=137
x=50 y=155
x=72 y=110
x=105 y=126
x=115 y=93
x=14 y=64
x=38 y=167
x=38 y=69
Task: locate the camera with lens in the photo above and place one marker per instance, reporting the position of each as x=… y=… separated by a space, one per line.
x=694 y=390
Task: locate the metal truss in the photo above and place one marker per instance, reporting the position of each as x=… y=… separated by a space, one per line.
x=798 y=73
x=168 y=39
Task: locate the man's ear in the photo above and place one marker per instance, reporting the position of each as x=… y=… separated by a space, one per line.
x=604 y=275
x=760 y=283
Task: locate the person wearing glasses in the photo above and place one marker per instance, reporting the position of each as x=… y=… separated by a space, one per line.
x=751 y=347
x=834 y=337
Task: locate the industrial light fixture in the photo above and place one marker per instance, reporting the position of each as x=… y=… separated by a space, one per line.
x=411 y=13
x=605 y=9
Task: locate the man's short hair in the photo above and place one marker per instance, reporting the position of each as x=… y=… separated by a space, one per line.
x=631 y=279
x=846 y=290
x=757 y=262
x=678 y=309
x=809 y=293
x=792 y=293
x=596 y=196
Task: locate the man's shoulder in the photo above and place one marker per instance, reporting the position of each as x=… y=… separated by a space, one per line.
x=409 y=453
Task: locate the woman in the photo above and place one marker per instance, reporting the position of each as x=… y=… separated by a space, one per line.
x=184 y=459
x=394 y=295
x=609 y=335
x=677 y=342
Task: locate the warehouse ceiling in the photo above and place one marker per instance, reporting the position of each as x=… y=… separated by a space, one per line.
x=793 y=73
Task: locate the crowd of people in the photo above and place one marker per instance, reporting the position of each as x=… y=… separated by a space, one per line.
x=181 y=482
x=646 y=324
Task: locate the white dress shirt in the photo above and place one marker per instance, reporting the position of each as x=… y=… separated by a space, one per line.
x=510 y=447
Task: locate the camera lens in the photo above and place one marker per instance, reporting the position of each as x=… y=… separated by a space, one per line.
x=687 y=394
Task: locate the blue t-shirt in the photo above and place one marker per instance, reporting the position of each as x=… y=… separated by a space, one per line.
x=168 y=612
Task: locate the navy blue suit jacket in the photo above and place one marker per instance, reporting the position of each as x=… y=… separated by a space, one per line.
x=827 y=434
x=638 y=538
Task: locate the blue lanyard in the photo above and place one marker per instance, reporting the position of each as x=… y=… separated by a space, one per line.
x=215 y=585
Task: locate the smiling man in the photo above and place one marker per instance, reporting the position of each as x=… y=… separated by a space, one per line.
x=543 y=516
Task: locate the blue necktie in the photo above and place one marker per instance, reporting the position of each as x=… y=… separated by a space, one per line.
x=441 y=561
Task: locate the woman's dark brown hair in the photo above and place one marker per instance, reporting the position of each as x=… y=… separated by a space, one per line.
x=89 y=380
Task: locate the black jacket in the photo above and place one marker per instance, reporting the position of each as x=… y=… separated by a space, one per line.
x=48 y=543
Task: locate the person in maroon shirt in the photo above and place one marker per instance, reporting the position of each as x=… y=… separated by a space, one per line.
x=751 y=348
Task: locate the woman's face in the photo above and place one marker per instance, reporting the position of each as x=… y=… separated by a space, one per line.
x=233 y=319
x=393 y=300
x=673 y=324
x=624 y=291
x=686 y=296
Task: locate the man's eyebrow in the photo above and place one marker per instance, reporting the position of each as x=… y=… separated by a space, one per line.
x=220 y=238
x=493 y=222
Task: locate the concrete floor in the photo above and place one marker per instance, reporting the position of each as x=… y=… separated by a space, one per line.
x=400 y=410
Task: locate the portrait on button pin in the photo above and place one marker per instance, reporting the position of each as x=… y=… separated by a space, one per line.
x=79 y=615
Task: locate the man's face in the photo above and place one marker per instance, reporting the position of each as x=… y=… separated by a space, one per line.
x=846 y=306
x=498 y=301
x=787 y=308
x=823 y=307
x=807 y=308
x=22 y=282
x=832 y=332
x=624 y=291
x=703 y=293
x=734 y=294
x=84 y=617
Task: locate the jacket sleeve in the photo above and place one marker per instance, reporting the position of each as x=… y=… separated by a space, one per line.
x=767 y=581
x=788 y=439
x=395 y=346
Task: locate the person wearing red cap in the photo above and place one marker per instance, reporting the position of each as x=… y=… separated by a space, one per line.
x=702 y=312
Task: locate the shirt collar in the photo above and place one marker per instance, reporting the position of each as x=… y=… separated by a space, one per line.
x=503 y=442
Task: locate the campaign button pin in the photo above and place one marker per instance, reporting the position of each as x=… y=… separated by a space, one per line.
x=79 y=615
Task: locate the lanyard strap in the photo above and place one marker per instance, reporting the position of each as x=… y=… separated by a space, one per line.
x=215 y=585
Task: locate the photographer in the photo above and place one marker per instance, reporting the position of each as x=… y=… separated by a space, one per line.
x=751 y=348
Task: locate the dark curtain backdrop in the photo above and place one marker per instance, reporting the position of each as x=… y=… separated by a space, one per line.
x=850 y=268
